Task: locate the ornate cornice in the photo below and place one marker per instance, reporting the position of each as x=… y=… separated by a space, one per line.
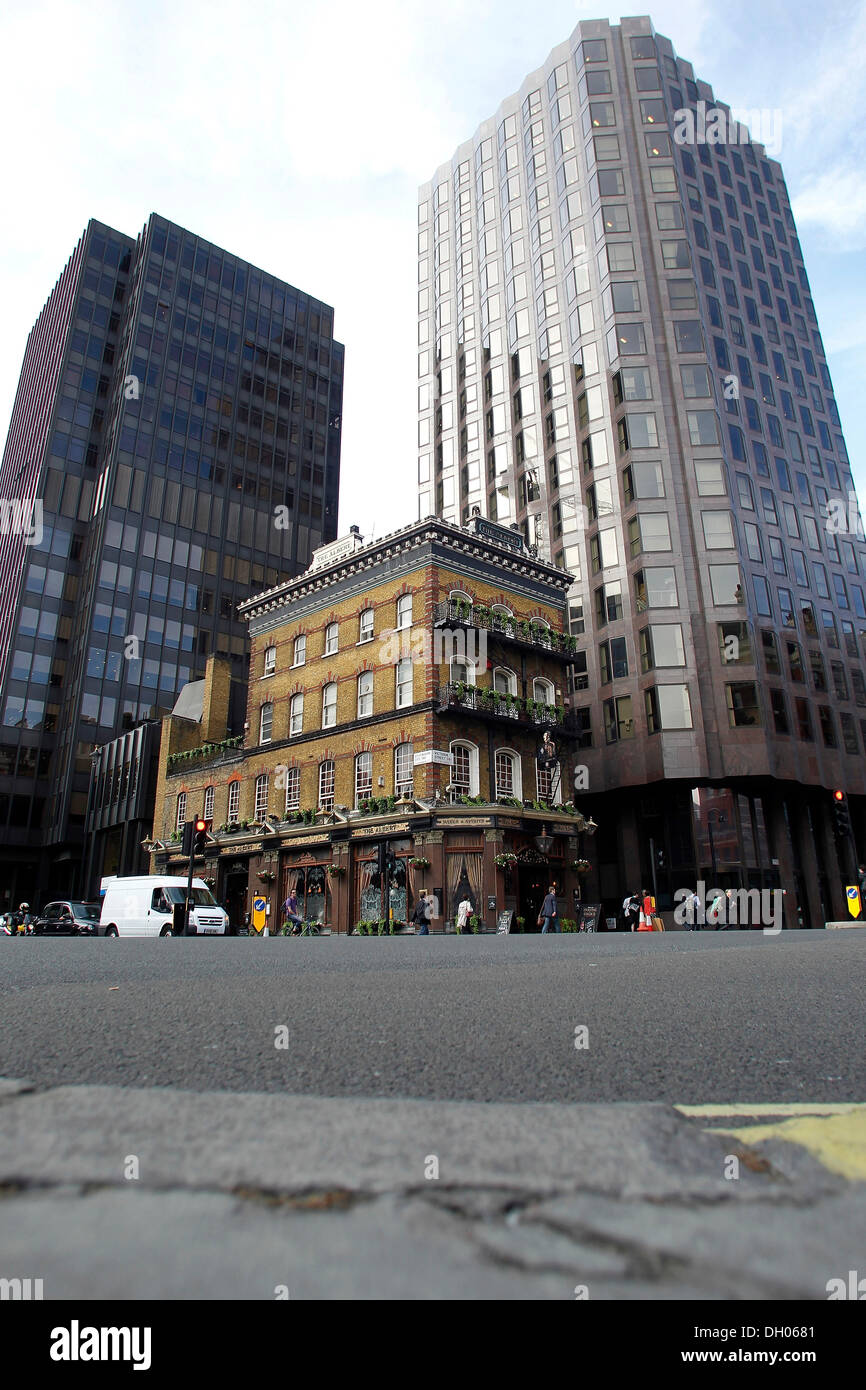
x=429 y=532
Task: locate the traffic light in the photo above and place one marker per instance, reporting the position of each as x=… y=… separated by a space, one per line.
x=188 y=838
x=660 y=858
x=841 y=816
x=200 y=839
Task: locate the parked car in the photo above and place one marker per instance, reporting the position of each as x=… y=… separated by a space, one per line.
x=68 y=918
x=145 y=906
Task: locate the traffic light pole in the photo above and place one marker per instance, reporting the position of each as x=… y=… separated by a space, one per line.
x=188 y=912
x=653 y=870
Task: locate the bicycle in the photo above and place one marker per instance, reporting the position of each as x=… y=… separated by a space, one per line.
x=301 y=929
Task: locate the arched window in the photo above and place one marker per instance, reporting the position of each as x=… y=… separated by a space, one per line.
x=462 y=670
x=504 y=680
x=405 y=674
x=300 y=651
x=234 y=801
x=180 y=818
x=363 y=778
x=332 y=638
x=501 y=615
x=329 y=705
x=508 y=774
x=326 y=786
x=365 y=626
x=404 y=611
x=464 y=770
x=543 y=691
x=460 y=605
x=296 y=714
x=261 y=796
x=266 y=723
x=208 y=804
x=404 y=773
x=365 y=694
x=270 y=660
x=293 y=788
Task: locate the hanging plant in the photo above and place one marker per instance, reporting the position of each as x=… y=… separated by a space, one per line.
x=581 y=866
x=505 y=859
x=419 y=862
x=336 y=870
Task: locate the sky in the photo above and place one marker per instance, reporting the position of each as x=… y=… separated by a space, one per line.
x=296 y=136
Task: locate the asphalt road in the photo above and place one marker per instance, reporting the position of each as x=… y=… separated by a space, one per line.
x=684 y=1018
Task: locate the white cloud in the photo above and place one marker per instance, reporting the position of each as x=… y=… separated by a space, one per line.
x=835 y=203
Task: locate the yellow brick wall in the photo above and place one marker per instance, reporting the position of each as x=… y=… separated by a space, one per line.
x=427 y=585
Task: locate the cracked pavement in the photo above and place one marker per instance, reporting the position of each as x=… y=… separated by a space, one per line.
x=259 y=1197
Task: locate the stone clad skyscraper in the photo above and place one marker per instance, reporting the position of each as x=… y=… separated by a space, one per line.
x=178 y=424
x=619 y=354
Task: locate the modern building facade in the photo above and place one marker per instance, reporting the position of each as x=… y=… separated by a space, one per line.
x=400 y=694
x=174 y=446
x=619 y=353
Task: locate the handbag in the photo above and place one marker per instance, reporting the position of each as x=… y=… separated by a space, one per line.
x=658 y=924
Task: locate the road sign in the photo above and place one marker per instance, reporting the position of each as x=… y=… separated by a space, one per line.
x=852 y=895
x=260 y=909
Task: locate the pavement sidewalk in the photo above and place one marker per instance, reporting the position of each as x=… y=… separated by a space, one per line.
x=134 y=1194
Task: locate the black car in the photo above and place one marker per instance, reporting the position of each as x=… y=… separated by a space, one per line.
x=68 y=919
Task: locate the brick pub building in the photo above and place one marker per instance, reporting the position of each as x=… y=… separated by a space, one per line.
x=400 y=695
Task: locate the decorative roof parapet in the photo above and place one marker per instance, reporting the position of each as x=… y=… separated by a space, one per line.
x=429 y=530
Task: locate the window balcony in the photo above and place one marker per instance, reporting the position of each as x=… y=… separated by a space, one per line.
x=529 y=634
x=487 y=703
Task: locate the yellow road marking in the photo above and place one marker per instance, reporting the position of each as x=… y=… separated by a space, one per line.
x=834 y=1134
x=837 y=1141
x=783 y=1108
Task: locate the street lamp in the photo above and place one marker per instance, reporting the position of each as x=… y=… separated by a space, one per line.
x=544 y=842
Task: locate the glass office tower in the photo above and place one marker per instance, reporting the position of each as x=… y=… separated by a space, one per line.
x=618 y=353
x=177 y=426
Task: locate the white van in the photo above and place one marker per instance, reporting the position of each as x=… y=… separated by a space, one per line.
x=144 y=906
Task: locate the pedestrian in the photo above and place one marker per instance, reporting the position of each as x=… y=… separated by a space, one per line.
x=464 y=912
x=549 y=914
x=421 y=916
x=861 y=884
x=647 y=908
x=290 y=912
x=693 y=907
x=716 y=913
x=631 y=910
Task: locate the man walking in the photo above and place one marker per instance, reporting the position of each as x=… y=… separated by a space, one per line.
x=549 y=913
x=421 y=916
x=693 y=907
x=630 y=910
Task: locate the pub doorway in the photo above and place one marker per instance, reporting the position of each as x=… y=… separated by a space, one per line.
x=532 y=884
x=235 y=897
